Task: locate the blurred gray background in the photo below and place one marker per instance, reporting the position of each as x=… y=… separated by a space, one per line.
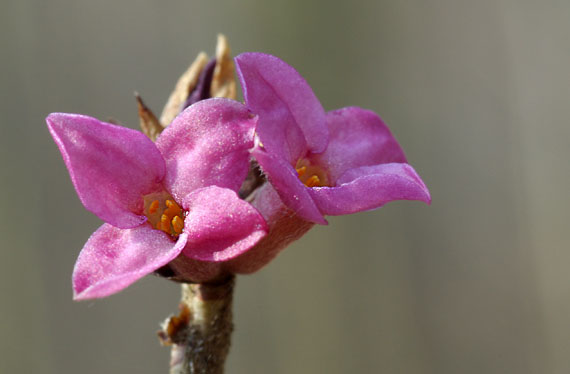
x=477 y=93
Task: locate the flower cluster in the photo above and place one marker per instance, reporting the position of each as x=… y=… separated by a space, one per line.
x=226 y=185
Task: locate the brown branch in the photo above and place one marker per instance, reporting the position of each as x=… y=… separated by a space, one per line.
x=200 y=335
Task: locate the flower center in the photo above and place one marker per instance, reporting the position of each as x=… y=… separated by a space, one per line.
x=311 y=175
x=164 y=213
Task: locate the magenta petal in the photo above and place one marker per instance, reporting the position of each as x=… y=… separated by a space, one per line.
x=370 y=187
x=219 y=225
x=207 y=144
x=113 y=259
x=111 y=167
x=291 y=118
x=294 y=194
x=358 y=137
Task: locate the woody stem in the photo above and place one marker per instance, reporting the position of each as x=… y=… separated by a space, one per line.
x=200 y=336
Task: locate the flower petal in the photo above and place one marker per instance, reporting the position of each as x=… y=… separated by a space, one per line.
x=284 y=228
x=291 y=190
x=291 y=118
x=111 y=167
x=207 y=144
x=113 y=259
x=358 y=137
x=370 y=187
x=219 y=225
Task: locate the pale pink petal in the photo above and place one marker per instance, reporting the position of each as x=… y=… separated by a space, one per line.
x=291 y=190
x=370 y=187
x=207 y=144
x=358 y=137
x=291 y=118
x=111 y=167
x=219 y=225
x=113 y=259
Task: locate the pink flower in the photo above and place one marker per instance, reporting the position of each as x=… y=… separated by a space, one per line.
x=159 y=201
x=334 y=163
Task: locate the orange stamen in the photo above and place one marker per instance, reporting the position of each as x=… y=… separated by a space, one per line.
x=153 y=207
x=313 y=181
x=173 y=208
x=165 y=223
x=311 y=175
x=177 y=224
x=164 y=213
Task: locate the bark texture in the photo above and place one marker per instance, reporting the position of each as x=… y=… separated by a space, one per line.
x=200 y=335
